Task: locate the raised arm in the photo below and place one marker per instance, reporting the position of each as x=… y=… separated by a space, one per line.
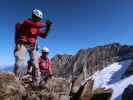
x=35 y=25
x=44 y=34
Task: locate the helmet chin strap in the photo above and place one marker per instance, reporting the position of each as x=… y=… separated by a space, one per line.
x=35 y=18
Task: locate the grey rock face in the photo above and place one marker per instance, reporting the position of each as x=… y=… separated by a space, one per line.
x=91 y=59
x=128 y=72
x=59 y=62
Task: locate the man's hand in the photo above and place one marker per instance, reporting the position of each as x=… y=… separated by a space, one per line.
x=48 y=27
x=48 y=22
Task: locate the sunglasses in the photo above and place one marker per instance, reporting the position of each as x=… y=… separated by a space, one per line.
x=45 y=52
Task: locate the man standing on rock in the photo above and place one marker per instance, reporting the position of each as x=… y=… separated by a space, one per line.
x=27 y=32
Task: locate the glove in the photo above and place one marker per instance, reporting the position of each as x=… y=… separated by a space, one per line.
x=48 y=28
x=48 y=22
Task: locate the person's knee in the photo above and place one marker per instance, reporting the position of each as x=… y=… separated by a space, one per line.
x=34 y=55
x=35 y=62
x=19 y=60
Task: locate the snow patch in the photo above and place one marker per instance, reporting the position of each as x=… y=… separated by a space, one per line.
x=110 y=77
x=119 y=87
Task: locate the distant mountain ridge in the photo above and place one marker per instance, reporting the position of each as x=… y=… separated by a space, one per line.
x=7 y=68
x=92 y=59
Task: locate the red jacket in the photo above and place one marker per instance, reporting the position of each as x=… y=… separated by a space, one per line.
x=27 y=31
x=45 y=65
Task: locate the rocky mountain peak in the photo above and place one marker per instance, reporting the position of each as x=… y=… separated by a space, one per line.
x=91 y=59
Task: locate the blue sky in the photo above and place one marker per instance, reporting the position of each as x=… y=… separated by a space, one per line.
x=77 y=24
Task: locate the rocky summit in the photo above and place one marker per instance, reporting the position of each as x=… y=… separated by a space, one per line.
x=99 y=73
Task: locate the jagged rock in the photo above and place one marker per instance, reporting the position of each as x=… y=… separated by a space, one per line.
x=59 y=61
x=128 y=93
x=54 y=89
x=126 y=52
x=92 y=59
x=87 y=92
x=128 y=72
x=13 y=89
x=102 y=94
x=83 y=91
x=10 y=88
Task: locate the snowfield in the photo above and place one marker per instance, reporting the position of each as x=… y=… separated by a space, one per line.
x=110 y=77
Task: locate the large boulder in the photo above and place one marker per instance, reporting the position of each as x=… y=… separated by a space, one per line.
x=128 y=93
x=102 y=94
x=87 y=92
x=81 y=91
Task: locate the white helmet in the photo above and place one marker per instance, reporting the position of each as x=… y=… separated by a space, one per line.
x=45 y=49
x=37 y=13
